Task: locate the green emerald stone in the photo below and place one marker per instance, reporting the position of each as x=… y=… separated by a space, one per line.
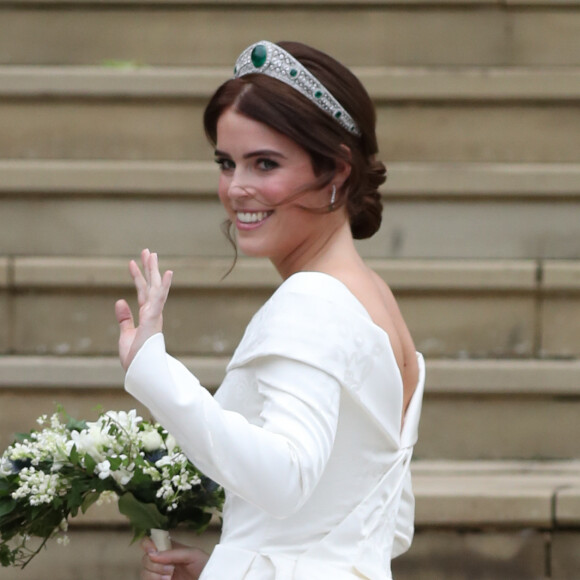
x=338 y=115
x=259 y=55
x=293 y=72
x=318 y=94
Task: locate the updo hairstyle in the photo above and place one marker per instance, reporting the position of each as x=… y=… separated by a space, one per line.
x=285 y=110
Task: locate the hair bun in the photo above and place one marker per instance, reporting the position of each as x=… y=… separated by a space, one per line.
x=366 y=207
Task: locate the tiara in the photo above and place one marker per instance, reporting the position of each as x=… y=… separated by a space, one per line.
x=269 y=59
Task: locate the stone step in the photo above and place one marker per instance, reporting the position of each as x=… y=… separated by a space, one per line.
x=384 y=83
x=478 y=409
x=456 y=308
x=482 y=520
x=432 y=210
x=513 y=115
x=186 y=32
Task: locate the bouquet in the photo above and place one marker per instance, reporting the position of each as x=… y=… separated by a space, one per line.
x=50 y=475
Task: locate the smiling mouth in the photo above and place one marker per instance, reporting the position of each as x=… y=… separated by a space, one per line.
x=254 y=217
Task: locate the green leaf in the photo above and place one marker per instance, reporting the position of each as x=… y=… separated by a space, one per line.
x=115 y=463
x=143 y=516
x=75 y=424
x=90 y=463
x=89 y=500
x=74 y=455
x=6 y=556
x=7 y=506
x=5 y=486
x=21 y=437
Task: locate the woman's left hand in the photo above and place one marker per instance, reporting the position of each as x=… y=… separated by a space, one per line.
x=152 y=292
x=179 y=563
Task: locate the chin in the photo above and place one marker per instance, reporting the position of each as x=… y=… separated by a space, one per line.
x=253 y=252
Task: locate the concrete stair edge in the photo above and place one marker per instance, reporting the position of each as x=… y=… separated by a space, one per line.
x=489 y=377
x=199 y=178
x=479 y=83
x=25 y=272
x=469 y=495
x=395 y=3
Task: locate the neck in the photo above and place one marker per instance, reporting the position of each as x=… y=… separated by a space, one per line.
x=329 y=252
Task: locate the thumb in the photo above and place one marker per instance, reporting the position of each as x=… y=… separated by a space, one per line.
x=124 y=315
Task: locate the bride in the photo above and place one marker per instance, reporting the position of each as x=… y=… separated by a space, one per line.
x=312 y=430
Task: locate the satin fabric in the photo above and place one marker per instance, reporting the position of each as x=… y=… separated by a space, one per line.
x=305 y=435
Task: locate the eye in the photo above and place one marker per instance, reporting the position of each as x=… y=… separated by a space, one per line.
x=266 y=164
x=225 y=164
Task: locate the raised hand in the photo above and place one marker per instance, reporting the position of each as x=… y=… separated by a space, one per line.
x=152 y=292
x=180 y=563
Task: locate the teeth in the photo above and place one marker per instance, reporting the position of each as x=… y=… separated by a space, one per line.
x=252 y=217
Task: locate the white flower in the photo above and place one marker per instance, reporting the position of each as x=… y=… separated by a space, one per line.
x=129 y=422
x=38 y=486
x=5 y=466
x=170 y=443
x=166 y=460
x=63 y=540
x=151 y=440
x=55 y=422
x=107 y=497
x=121 y=476
x=91 y=441
x=103 y=469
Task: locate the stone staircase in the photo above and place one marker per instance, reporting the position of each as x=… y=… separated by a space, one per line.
x=102 y=153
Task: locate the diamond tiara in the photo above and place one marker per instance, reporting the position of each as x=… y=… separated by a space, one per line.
x=269 y=59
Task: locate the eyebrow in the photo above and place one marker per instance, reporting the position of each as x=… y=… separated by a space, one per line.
x=258 y=153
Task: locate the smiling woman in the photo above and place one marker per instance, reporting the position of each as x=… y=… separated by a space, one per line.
x=312 y=430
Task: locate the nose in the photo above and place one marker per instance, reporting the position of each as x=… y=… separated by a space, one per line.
x=237 y=191
x=239 y=186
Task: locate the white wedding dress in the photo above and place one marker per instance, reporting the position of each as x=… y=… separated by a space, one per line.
x=304 y=434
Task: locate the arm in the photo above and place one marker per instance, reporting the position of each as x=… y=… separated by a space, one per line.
x=274 y=466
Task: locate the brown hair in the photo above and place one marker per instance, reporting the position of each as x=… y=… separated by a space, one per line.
x=285 y=110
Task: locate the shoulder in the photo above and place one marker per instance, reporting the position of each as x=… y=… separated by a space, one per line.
x=313 y=318
x=309 y=298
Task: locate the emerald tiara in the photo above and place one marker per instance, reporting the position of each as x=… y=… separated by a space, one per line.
x=269 y=59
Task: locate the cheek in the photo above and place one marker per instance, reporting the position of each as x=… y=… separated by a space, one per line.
x=222 y=191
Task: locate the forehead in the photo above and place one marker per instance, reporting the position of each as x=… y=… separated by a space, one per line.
x=239 y=132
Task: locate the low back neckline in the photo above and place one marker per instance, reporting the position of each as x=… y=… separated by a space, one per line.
x=359 y=306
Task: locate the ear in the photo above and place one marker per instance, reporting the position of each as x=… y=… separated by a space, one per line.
x=343 y=167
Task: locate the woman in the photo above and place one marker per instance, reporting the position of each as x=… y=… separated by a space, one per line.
x=312 y=430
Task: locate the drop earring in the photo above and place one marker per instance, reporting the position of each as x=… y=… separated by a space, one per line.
x=332 y=198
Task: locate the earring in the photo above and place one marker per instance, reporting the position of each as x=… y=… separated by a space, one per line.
x=332 y=197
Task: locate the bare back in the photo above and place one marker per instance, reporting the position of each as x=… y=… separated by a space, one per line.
x=378 y=300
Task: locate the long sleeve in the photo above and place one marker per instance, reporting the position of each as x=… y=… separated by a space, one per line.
x=274 y=465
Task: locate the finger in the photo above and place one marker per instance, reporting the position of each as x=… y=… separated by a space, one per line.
x=154 y=274
x=152 y=571
x=139 y=281
x=160 y=285
x=158 y=294
x=174 y=557
x=156 y=567
x=166 y=283
x=124 y=315
x=148 y=546
x=145 y=254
